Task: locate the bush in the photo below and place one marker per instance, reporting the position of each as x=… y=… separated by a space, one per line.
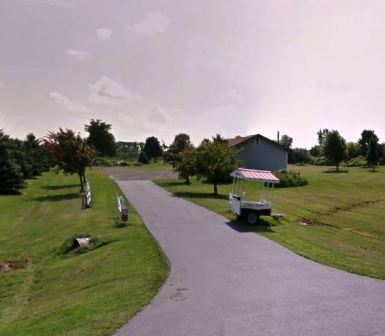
x=143 y=158
x=320 y=161
x=103 y=162
x=290 y=179
x=358 y=161
x=67 y=247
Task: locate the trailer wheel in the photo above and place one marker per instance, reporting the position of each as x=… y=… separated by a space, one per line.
x=252 y=217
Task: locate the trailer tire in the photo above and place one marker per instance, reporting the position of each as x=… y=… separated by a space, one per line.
x=252 y=217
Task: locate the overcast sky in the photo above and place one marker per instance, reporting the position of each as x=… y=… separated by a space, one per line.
x=234 y=67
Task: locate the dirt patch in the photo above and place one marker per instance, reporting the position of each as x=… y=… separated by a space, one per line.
x=6 y=266
x=365 y=234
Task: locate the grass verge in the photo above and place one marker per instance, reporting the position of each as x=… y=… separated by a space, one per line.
x=338 y=219
x=89 y=293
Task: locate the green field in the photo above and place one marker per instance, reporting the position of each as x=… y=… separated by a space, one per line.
x=338 y=219
x=94 y=293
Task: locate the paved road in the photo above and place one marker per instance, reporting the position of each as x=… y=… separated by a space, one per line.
x=135 y=173
x=226 y=282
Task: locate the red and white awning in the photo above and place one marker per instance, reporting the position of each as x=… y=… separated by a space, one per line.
x=257 y=175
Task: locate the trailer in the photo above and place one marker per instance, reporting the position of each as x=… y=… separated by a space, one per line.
x=252 y=210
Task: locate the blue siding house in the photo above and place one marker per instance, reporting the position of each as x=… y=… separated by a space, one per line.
x=259 y=152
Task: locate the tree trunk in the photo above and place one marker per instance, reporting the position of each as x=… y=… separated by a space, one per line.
x=215 y=188
x=338 y=166
x=187 y=180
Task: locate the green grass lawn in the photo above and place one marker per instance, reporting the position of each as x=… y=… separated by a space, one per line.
x=93 y=293
x=345 y=213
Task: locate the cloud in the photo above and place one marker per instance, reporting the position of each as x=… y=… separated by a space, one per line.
x=1 y=85
x=104 y=33
x=106 y=91
x=79 y=54
x=65 y=102
x=152 y=24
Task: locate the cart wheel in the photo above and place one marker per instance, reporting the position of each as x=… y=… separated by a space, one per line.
x=252 y=217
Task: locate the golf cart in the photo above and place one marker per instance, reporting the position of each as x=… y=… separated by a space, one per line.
x=247 y=209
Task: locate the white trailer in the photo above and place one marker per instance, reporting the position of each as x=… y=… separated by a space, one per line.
x=251 y=210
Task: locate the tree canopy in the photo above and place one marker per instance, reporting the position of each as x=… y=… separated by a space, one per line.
x=215 y=161
x=363 y=142
x=186 y=165
x=372 y=155
x=334 y=148
x=152 y=148
x=100 y=137
x=70 y=153
x=181 y=142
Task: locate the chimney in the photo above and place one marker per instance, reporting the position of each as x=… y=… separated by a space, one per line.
x=278 y=136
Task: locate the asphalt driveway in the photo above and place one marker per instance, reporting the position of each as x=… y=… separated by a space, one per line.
x=226 y=282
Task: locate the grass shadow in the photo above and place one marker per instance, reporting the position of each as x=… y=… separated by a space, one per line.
x=334 y=171
x=189 y=194
x=59 y=187
x=171 y=184
x=57 y=198
x=242 y=226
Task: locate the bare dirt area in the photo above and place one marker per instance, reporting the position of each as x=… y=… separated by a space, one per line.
x=138 y=173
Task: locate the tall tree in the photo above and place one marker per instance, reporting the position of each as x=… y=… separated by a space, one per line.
x=335 y=148
x=322 y=133
x=366 y=136
x=353 y=150
x=286 y=141
x=180 y=143
x=372 y=156
x=70 y=153
x=100 y=137
x=11 y=177
x=152 y=148
x=215 y=161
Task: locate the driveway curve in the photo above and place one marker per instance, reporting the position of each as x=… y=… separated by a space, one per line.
x=229 y=283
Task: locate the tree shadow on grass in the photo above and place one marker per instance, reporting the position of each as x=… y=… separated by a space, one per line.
x=172 y=184
x=189 y=194
x=242 y=226
x=57 y=198
x=334 y=171
x=59 y=187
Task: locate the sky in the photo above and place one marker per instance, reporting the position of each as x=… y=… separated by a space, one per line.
x=158 y=68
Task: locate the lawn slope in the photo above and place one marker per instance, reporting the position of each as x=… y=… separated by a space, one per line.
x=338 y=219
x=48 y=293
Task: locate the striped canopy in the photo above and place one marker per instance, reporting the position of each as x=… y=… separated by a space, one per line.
x=256 y=175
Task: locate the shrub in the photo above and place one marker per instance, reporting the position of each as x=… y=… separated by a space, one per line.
x=143 y=158
x=358 y=161
x=320 y=161
x=103 y=162
x=290 y=179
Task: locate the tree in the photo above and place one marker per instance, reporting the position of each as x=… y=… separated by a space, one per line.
x=215 y=161
x=300 y=155
x=315 y=151
x=353 y=150
x=335 y=148
x=70 y=153
x=143 y=158
x=100 y=137
x=11 y=177
x=286 y=141
x=186 y=166
x=322 y=136
x=152 y=148
x=372 y=156
x=366 y=136
x=180 y=143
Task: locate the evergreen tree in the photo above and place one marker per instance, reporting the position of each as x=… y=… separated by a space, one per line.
x=372 y=155
x=11 y=177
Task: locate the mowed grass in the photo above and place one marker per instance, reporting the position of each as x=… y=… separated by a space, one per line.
x=338 y=219
x=87 y=294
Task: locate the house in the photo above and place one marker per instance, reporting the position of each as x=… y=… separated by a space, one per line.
x=259 y=152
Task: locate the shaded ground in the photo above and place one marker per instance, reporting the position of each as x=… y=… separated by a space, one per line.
x=139 y=173
x=227 y=281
